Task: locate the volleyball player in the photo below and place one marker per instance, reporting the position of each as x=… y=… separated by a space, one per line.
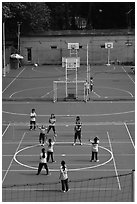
x=91 y=84
x=77 y=130
x=52 y=121
x=87 y=87
x=42 y=135
x=64 y=177
x=33 y=119
x=50 y=145
x=94 y=155
x=87 y=90
x=43 y=162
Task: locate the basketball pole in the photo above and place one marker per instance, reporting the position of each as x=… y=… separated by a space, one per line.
x=87 y=64
x=108 y=56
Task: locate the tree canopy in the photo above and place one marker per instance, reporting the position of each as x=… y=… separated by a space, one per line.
x=43 y=16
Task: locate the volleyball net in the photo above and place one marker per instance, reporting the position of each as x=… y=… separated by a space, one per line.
x=103 y=189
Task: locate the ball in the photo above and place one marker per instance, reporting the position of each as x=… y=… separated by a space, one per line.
x=35 y=65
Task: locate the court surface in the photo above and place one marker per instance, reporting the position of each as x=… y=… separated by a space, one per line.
x=109 y=115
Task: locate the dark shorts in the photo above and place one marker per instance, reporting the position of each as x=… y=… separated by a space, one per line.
x=42 y=137
x=77 y=135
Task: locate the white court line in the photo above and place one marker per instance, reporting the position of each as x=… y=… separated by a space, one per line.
x=96 y=94
x=74 y=115
x=86 y=170
x=128 y=75
x=13 y=81
x=30 y=142
x=95 y=102
x=13 y=157
x=72 y=124
x=72 y=189
x=114 y=162
x=68 y=155
x=5 y=130
x=30 y=89
x=129 y=135
x=117 y=89
x=77 y=169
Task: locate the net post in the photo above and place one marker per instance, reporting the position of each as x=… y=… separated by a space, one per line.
x=54 y=91
x=66 y=80
x=76 y=82
x=84 y=94
x=13 y=131
x=133 y=186
x=87 y=62
x=89 y=76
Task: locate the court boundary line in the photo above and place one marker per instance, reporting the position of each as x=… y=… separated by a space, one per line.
x=51 y=90
x=116 y=172
x=129 y=135
x=29 y=89
x=116 y=89
x=13 y=157
x=47 y=189
x=5 y=130
x=99 y=170
x=128 y=74
x=22 y=124
x=13 y=80
x=88 y=102
x=57 y=155
x=72 y=115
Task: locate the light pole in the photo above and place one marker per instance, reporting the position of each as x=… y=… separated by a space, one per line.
x=129 y=19
x=19 y=23
x=4 y=61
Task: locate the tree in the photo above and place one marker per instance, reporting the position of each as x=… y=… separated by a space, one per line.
x=34 y=16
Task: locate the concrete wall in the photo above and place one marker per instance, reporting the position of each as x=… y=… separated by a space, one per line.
x=50 y=50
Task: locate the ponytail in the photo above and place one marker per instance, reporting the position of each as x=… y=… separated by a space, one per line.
x=50 y=143
x=43 y=151
x=63 y=165
x=43 y=156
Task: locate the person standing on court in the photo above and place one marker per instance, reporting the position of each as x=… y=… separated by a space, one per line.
x=43 y=162
x=50 y=145
x=94 y=155
x=33 y=119
x=64 y=177
x=42 y=135
x=87 y=90
x=91 y=84
x=77 y=130
x=52 y=121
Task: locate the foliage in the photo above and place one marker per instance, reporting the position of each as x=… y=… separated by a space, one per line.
x=42 y=16
x=33 y=16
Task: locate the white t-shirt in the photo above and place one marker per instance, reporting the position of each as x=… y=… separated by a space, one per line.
x=86 y=85
x=63 y=173
x=52 y=121
x=43 y=160
x=95 y=146
x=33 y=116
x=50 y=148
x=42 y=130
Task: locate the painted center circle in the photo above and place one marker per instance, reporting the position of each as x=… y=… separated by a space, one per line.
x=109 y=153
